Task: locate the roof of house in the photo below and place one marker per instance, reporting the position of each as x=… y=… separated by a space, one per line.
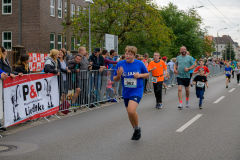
x=223 y=40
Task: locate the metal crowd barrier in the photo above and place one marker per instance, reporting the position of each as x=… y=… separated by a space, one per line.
x=216 y=69
x=87 y=89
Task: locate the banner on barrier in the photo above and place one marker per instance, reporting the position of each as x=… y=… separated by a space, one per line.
x=36 y=61
x=30 y=97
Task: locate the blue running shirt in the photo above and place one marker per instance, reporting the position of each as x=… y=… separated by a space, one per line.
x=131 y=86
x=228 y=71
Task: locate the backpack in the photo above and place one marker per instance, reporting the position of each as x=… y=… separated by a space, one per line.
x=64 y=107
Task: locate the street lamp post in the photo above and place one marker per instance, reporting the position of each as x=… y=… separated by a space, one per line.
x=217 y=41
x=90 y=2
x=193 y=9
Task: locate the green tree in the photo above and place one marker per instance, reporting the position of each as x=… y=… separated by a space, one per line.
x=227 y=51
x=186 y=28
x=135 y=22
x=208 y=46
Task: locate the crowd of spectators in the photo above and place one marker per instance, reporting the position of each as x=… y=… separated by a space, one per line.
x=73 y=72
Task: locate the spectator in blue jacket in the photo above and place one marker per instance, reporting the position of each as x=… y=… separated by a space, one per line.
x=5 y=65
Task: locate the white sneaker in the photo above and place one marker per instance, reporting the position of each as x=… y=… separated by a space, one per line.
x=180 y=106
x=187 y=104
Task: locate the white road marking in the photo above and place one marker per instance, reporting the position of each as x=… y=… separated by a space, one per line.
x=232 y=90
x=189 y=123
x=219 y=99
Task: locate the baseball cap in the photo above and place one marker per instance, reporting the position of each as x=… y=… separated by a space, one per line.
x=164 y=58
x=96 y=50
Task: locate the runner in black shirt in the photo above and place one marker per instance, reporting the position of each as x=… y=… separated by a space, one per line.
x=200 y=81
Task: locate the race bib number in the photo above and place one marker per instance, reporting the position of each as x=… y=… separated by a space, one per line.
x=200 y=84
x=154 y=79
x=130 y=82
x=228 y=72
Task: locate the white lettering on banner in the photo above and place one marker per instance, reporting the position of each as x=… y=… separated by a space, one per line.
x=30 y=99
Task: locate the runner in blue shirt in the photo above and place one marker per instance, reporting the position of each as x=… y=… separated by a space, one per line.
x=191 y=71
x=228 y=72
x=132 y=72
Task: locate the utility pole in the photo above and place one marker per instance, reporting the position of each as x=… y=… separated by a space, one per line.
x=68 y=24
x=217 y=42
x=217 y=45
x=230 y=46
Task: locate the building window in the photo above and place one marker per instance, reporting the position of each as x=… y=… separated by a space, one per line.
x=73 y=43
x=7 y=40
x=6 y=6
x=59 y=41
x=65 y=8
x=73 y=10
x=78 y=10
x=52 y=8
x=52 y=41
x=59 y=8
x=84 y=10
x=78 y=42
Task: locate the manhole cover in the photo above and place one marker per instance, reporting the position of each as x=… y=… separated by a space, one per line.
x=7 y=148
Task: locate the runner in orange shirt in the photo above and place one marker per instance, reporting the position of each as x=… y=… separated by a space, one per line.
x=156 y=67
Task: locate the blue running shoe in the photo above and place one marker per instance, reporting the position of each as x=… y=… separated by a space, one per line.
x=114 y=100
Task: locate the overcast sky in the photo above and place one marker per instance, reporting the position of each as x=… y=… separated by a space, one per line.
x=213 y=18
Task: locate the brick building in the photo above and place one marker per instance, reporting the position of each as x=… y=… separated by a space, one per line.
x=35 y=24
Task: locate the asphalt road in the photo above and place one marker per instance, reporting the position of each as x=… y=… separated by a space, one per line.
x=212 y=133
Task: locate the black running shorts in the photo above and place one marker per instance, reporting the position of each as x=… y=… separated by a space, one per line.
x=183 y=81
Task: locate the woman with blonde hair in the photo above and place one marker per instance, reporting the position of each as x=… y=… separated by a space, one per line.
x=51 y=66
x=51 y=63
x=22 y=65
x=5 y=65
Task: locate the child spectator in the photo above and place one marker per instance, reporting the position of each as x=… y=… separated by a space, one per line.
x=165 y=81
x=22 y=65
x=109 y=89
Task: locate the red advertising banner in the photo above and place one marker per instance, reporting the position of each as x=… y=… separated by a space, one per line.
x=29 y=97
x=36 y=61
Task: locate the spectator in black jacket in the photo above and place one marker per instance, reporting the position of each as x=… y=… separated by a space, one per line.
x=4 y=64
x=22 y=65
x=97 y=62
x=51 y=63
x=73 y=66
